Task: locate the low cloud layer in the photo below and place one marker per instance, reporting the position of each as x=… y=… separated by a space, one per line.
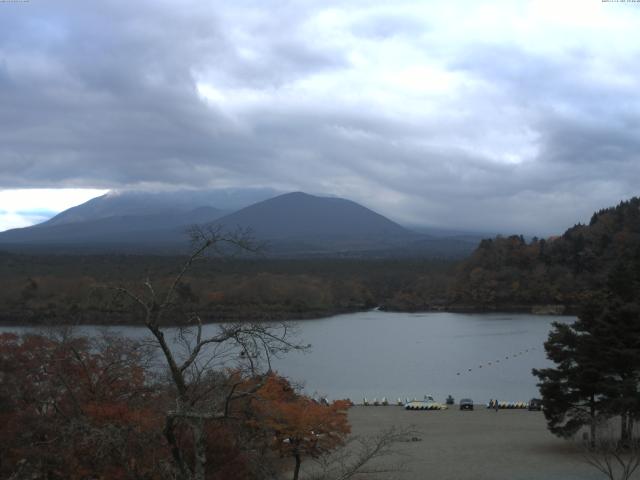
x=499 y=116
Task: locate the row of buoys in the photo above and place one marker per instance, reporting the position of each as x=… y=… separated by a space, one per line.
x=507 y=357
x=509 y=405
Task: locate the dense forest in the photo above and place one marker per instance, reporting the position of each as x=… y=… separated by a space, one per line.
x=77 y=289
x=552 y=275
x=564 y=271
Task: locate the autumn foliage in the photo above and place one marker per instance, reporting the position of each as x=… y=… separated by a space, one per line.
x=72 y=408
x=78 y=409
x=299 y=426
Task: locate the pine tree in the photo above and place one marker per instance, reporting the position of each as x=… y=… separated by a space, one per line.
x=615 y=324
x=597 y=359
x=573 y=391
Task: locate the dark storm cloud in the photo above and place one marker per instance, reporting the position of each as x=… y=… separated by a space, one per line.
x=107 y=97
x=407 y=109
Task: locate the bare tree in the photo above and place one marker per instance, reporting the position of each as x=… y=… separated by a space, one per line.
x=202 y=393
x=364 y=456
x=615 y=459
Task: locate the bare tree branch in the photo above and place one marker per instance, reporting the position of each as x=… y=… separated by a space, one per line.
x=364 y=456
x=611 y=457
x=201 y=395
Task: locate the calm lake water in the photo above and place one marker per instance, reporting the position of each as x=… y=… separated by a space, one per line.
x=376 y=354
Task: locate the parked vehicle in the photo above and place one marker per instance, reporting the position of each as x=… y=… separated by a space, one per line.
x=466 y=404
x=535 y=404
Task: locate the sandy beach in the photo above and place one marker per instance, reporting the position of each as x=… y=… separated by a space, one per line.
x=476 y=445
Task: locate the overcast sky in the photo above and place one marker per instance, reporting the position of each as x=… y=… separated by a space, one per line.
x=506 y=116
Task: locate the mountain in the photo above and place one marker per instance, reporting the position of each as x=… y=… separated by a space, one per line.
x=131 y=221
x=292 y=224
x=118 y=232
x=306 y=225
x=299 y=215
x=143 y=203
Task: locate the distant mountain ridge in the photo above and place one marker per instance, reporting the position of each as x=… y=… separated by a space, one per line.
x=139 y=203
x=294 y=223
x=142 y=230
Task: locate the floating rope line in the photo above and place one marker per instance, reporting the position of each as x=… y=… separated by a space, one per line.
x=507 y=357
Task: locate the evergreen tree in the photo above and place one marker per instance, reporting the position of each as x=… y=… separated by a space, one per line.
x=597 y=359
x=572 y=392
x=615 y=323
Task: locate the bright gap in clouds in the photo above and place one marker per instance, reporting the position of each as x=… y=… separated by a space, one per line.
x=25 y=207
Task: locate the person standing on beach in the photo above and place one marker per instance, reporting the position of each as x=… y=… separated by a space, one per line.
x=496 y=405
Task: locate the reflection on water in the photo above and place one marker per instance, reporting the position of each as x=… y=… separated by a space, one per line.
x=376 y=354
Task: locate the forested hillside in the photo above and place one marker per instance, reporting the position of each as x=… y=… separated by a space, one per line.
x=565 y=270
x=71 y=288
x=553 y=275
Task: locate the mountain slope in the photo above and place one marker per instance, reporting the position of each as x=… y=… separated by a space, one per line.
x=299 y=221
x=293 y=224
x=132 y=220
x=142 y=230
x=141 y=203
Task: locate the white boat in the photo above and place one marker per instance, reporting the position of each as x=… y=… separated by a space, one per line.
x=428 y=403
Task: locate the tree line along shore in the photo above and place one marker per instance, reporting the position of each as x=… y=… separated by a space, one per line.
x=554 y=275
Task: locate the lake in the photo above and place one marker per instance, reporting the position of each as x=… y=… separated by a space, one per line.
x=386 y=354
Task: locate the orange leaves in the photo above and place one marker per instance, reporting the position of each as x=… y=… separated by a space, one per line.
x=299 y=425
x=73 y=405
x=82 y=407
x=121 y=414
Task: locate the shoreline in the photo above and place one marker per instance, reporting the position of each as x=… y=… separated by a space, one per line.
x=55 y=321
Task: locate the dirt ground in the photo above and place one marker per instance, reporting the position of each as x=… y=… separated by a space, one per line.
x=476 y=445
